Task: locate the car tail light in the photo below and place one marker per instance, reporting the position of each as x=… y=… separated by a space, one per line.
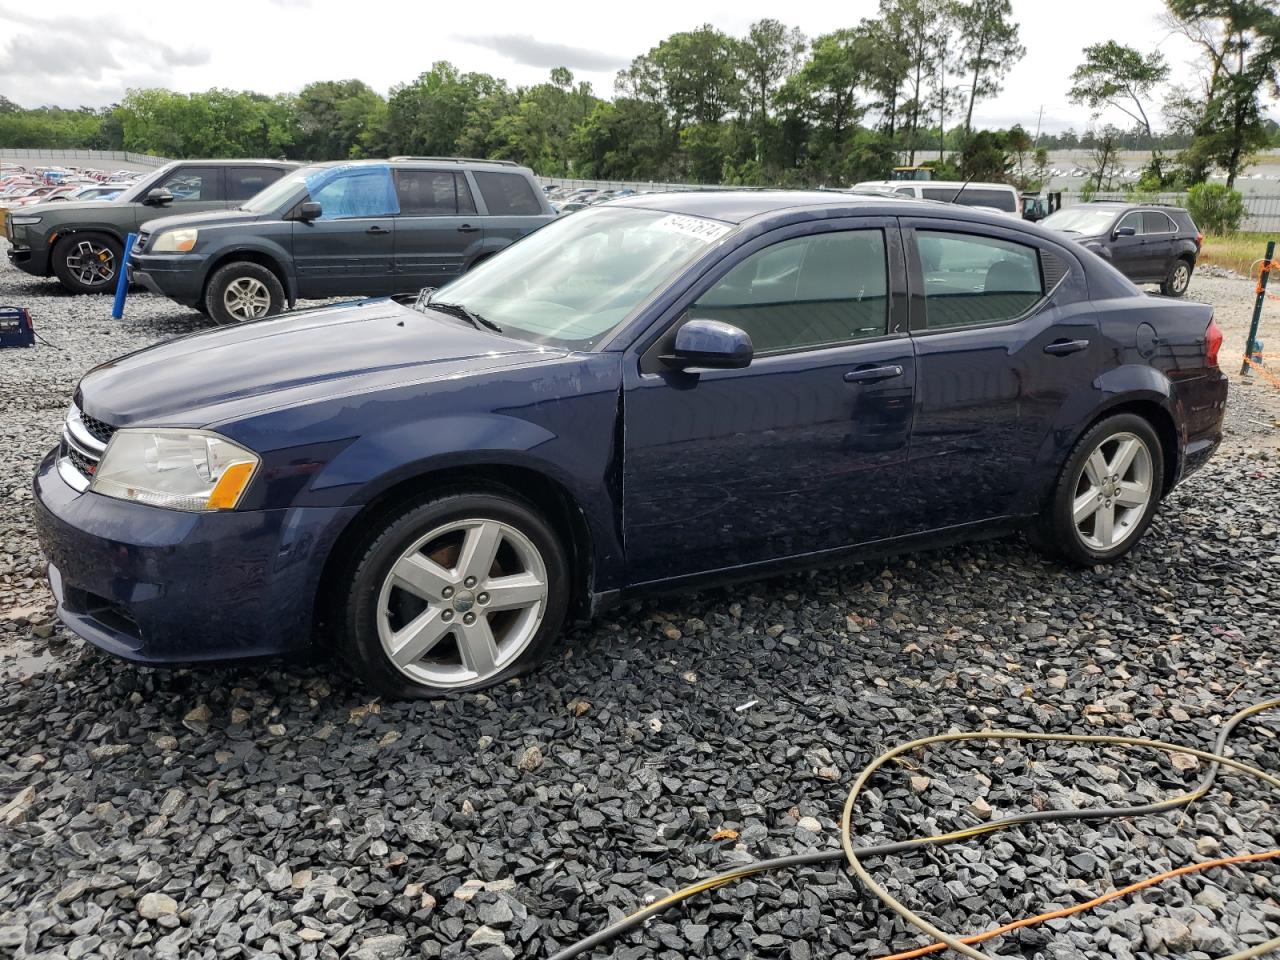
x=1212 y=343
x=1199 y=239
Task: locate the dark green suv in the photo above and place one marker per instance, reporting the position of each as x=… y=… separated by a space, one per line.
x=82 y=243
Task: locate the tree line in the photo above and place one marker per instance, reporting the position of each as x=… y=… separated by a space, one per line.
x=772 y=107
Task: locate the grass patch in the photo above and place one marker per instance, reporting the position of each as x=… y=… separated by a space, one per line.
x=1236 y=251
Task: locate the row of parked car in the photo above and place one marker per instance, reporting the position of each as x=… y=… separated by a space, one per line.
x=240 y=240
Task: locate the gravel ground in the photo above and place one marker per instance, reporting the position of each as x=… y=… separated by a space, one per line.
x=274 y=811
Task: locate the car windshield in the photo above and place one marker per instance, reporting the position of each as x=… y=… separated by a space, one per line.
x=1088 y=221
x=576 y=279
x=270 y=198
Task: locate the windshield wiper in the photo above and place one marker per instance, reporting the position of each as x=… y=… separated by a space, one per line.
x=458 y=310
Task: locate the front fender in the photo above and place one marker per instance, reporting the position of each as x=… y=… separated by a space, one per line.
x=257 y=248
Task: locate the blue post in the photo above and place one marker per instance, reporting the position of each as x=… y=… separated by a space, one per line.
x=122 y=278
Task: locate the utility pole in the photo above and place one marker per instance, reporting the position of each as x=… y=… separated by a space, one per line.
x=1038 y=119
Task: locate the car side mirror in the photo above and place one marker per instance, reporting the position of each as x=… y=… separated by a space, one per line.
x=711 y=344
x=309 y=211
x=1126 y=232
x=159 y=197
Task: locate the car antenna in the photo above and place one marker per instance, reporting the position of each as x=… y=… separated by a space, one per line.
x=955 y=197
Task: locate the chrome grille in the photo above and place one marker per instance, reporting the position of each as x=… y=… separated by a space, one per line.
x=84 y=441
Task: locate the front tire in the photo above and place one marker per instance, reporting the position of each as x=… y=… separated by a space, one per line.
x=1179 y=278
x=242 y=291
x=88 y=262
x=458 y=593
x=1106 y=494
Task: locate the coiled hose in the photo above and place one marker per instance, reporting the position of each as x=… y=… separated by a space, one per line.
x=853 y=855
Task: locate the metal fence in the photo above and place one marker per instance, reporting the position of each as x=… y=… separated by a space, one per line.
x=1262 y=211
x=94 y=156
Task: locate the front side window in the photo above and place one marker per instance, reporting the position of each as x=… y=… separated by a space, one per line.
x=805 y=292
x=971 y=280
x=1132 y=220
x=507 y=194
x=354 y=191
x=193 y=183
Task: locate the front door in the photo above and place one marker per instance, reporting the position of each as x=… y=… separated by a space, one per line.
x=995 y=358
x=437 y=232
x=349 y=250
x=801 y=452
x=1129 y=254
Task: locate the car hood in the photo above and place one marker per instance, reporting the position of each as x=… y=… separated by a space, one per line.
x=231 y=372
x=68 y=206
x=210 y=218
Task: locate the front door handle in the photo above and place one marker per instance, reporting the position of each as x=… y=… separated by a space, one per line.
x=873 y=374
x=1060 y=348
x=377 y=231
x=467 y=228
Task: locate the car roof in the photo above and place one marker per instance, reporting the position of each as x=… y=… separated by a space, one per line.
x=404 y=161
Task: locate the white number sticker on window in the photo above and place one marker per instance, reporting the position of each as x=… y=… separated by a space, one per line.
x=709 y=231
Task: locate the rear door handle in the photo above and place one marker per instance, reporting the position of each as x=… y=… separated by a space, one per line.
x=873 y=374
x=467 y=228
x=377 y=230
x=1060 y=348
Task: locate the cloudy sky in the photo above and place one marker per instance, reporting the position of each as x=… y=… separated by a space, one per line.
x=88 y=53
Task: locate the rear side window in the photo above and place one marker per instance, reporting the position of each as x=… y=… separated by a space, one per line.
x=507 y=194
x=971 y=280
x=806 y=292
x=246 y=182
x=1153 y=221
x=427 y=193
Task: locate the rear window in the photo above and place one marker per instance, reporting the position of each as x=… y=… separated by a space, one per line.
x=507 y=194
x=974 y=197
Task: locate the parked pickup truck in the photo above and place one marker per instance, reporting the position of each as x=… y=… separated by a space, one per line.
x=364 y=228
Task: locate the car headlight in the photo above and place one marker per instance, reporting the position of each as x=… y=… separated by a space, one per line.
x=23 y=221
x=180 y=469
x=174 y=241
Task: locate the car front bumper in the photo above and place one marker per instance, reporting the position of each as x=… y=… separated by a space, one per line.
x=163 y=586
x=30 y=260
x=179 y=277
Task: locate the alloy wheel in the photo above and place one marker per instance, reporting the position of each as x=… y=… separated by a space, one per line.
x=462 y=603
x=93 y=264
x=1113 y=491
x=1181 y=277
x=247 y=298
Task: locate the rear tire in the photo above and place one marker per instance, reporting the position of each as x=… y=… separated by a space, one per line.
x=88 y=262
x=242 y=291
x=1179 y=278
x=460 y=592
x=1106 y=493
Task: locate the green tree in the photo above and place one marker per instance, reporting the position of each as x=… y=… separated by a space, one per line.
x=769 y=54
x=916 y=25
x=1216 y=208
x=1240 y=45
x=337 y=119
x=988 y=48
x=431 y=115
x=1117 y=76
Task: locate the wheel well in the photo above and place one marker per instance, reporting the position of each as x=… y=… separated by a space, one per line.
x=1161 y=422
x=73 y=232
x=250 y=256
x=551 y=499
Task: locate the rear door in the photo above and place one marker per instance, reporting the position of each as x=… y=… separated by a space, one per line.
x=350 y=249
x=509 y=205
x=996 y=358
x=437 y=232
x=1158 y=232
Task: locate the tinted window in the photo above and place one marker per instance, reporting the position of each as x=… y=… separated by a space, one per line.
x=905 y=192
x=970 y=280
x=1133 y=220
x=1153 y=221
x=507 y=194
x=973 y=197
x=426 y=193
x=806 y=292
x=194 y=183
x=466 y=204
x=246 y=182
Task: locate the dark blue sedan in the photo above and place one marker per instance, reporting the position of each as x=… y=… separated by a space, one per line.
x=660 y=390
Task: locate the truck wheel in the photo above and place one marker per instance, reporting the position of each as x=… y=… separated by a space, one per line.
x=87 y=262
x=1179 y=278
x=1106 y=495
x=460 y=592
x=243 y=291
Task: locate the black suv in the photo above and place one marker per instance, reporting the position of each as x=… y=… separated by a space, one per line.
x=80 y=242
x=358 y=228
x=1147 y=242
